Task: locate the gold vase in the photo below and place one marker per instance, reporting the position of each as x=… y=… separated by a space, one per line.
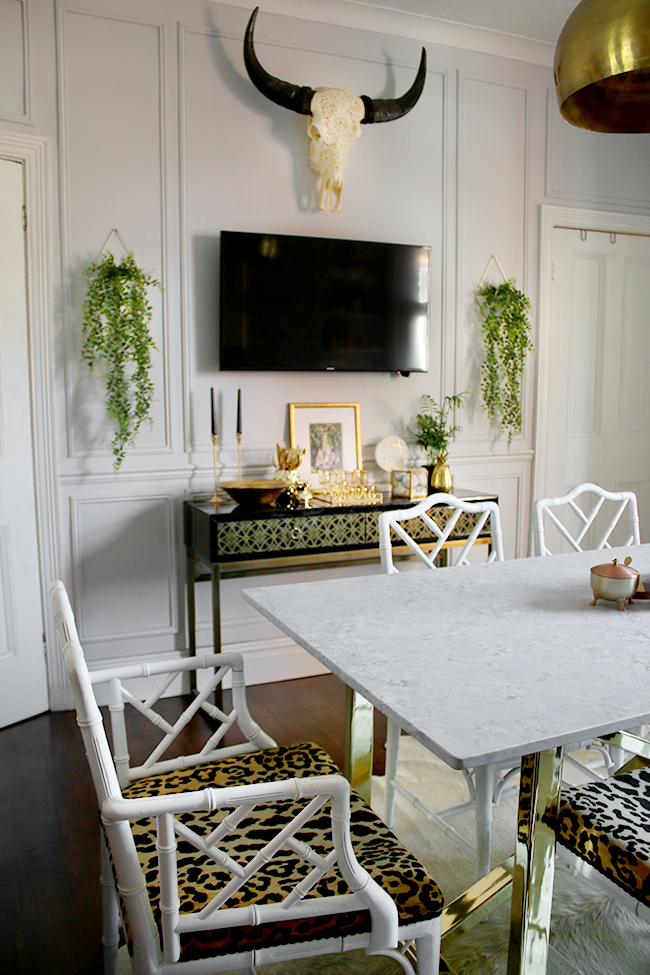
x=441 y=476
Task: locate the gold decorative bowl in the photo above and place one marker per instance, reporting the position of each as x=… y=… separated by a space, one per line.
x=253 y=494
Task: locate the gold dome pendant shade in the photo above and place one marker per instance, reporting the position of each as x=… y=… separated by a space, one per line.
x=602 y=66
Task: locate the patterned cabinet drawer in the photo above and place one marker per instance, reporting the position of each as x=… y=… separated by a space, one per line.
x=280 y=535
x=416 y=528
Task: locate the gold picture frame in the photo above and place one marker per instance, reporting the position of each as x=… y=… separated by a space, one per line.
x=330 y=434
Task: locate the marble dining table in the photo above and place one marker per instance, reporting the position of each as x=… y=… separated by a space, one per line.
x=488 y=664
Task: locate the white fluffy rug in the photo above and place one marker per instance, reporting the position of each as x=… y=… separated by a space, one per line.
x=592 y=932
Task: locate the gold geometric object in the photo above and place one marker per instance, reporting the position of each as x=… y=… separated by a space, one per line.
x=290 y=534
x=289 y=458
x=409 y=484
x=602 y=66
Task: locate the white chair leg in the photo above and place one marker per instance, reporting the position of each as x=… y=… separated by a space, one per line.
x=483 y=783
x=427 y=950
x=392 y=754
x=110 y=913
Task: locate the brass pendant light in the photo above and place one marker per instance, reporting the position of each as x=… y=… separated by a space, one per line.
x=602 y=66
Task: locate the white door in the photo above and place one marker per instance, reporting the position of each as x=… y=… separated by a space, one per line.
x=23 y=674
x=598 y=373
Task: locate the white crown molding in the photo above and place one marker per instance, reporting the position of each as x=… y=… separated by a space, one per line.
x=363 y=16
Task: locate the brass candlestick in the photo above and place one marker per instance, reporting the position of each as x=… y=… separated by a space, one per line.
x=215 y=441
x=239 y=456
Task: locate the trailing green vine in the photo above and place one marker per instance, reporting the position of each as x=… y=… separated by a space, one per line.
x=506 y=338
x=116 y=319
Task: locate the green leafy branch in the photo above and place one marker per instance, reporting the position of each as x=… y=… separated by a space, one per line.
x=506 y=338
x=116 y=319
x=433 y=430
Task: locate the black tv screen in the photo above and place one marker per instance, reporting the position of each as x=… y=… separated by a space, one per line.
x=313 y=303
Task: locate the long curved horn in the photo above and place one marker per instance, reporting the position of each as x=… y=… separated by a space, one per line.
x=387 y=109
x=281 y=92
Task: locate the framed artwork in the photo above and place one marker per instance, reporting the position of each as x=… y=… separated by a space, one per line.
x=330 y=434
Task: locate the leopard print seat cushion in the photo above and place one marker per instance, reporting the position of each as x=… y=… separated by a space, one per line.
x=416 y=895
x=607 y=824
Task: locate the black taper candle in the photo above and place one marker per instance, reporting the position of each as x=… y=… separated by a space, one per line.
x=213 y=417
x=239 y=412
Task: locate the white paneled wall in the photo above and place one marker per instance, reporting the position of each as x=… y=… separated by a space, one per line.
x=153 y=127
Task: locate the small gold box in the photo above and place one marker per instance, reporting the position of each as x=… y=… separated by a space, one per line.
x=409 y=484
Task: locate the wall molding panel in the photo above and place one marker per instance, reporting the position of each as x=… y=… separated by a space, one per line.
x=124 y=567
x=106 y=60
x=612 y=168
x=15 y=72
x=210 y=66
x=493 y=200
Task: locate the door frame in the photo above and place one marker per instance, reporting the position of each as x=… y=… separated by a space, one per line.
x=569 y=218
x=33 y=153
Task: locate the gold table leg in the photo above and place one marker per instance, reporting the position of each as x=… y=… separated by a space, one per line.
x=359 y=717
x=532 y=891
x=477 y=903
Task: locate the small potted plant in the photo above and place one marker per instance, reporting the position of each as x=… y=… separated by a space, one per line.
x=433 y=431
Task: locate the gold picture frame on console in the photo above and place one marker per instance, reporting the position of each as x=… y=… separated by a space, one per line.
x=330 y=434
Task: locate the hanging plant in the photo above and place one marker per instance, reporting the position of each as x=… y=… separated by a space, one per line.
x=506 y=338
x=116 y=319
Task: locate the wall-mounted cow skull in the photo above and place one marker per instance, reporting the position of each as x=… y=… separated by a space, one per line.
x=335 y=116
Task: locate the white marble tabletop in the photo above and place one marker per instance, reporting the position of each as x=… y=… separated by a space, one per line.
x=481 y=663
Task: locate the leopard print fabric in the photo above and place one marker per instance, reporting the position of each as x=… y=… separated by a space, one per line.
x=607 y=824
x=416 y=895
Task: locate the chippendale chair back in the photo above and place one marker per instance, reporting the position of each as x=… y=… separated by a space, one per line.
x=477 y=512
x=488 y=786
x=237 y=855
x=585 y=514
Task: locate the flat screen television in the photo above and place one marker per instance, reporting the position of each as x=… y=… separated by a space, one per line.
x=314 y=303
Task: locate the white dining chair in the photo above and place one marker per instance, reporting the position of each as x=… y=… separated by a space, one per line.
x=238 y=855
x=432 y=522
x=595 y=496
x=584 y=504
x=602 y=827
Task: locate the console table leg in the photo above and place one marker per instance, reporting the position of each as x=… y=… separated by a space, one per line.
x=216 y=625
x=359 y=717
x=191 y=613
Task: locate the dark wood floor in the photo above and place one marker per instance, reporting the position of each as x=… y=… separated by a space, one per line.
x=50 y=902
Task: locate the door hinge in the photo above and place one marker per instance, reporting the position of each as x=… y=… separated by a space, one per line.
x=24 y=217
